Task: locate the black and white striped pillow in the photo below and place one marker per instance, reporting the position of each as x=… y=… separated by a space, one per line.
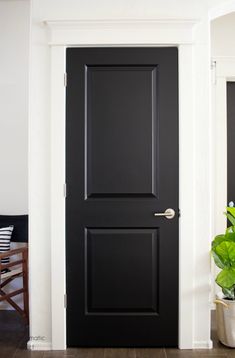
x=5 y=240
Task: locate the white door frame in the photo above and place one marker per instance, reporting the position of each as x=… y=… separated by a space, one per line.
x=131 y=33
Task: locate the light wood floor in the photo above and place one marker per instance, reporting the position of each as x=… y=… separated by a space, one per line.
x=14 y=336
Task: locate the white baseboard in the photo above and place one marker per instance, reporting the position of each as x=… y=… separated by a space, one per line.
x=34 y=345
x=203 y=344
x=47 y=346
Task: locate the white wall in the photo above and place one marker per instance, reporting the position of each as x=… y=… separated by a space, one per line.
x=14 y=69
x=223 y=36
x=40 y=145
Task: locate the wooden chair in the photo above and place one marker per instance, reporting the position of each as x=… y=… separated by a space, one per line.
x=18 y=265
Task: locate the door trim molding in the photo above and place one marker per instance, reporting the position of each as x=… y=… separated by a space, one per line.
x=129 y=33
x=114 y=32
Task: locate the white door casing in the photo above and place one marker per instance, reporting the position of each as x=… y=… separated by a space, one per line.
x=148 y=33
x=194 y=159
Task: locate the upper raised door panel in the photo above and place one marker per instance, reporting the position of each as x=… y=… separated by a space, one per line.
x=121 y=131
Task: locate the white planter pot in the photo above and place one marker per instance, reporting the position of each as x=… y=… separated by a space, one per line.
x=225 y=321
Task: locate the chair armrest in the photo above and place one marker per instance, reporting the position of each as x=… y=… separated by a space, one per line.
x=24 y=260
x=21 y=250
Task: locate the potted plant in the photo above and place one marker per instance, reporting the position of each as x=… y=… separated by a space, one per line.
x=223 y=252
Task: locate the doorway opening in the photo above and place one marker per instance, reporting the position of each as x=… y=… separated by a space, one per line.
x=222 y=28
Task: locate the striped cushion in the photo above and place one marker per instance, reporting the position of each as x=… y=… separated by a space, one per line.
x=5 y=239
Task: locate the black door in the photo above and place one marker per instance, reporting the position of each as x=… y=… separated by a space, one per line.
x=122 y=167
x=230 y=141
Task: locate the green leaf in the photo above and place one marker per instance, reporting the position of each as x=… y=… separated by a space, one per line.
x=231 y=210
x=226 y=278
x=229 y=293
x=230 y=230
x=218 y=261
x=226 y=252
x=217 y=240
x=231 y=218
x=230 y=236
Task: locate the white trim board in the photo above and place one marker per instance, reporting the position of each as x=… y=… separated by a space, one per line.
x=192 y=189
x=114 y=32
x=38 y=345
